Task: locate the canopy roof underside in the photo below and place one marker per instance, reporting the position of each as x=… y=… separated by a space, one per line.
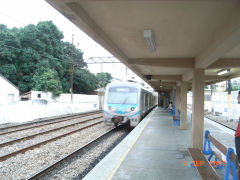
x=188 y=34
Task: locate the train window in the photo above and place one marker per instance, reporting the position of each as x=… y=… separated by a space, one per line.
x=122 y=95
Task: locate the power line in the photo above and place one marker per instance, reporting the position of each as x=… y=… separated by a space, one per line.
x=101 y=60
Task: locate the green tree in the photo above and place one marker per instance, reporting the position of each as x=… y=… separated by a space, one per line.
x=9 y=71
x=235 y=88
x=84 y=81
x=47 y=82
x=103 y=79
x=28 y=53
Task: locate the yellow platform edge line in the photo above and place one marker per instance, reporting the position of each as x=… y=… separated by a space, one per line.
x=129 y=148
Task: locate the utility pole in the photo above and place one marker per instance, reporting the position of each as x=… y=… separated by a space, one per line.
x=71 y=72
x=229 y=89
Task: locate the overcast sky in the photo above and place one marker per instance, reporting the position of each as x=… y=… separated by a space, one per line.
x=19 y=13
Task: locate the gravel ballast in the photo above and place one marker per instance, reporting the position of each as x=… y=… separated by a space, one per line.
x=80 y=165
x=23 y=165
x=26 y=143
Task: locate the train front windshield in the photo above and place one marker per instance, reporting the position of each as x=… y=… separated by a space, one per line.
x=122 y=95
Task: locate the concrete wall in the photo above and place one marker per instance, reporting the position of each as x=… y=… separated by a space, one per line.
x=77 y=98
x=219 y=104
x=65 y=98
x=23 y=111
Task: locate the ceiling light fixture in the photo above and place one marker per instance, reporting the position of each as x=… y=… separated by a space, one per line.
x=223 y=71
x=148 y=35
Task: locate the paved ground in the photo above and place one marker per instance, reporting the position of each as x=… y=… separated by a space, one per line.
x=156 y=149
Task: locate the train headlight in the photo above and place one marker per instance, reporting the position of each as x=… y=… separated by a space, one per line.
x=111 y=108
x=132 y=108
x=128 y=110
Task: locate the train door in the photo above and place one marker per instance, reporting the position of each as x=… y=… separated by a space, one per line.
x=151 y=101
x=144 y=103
x=141 y=102
x=148 y=105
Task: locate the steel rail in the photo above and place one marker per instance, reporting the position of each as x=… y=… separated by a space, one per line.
x=49 y=119
x=7 y=156
x=46 y=132
x=217 y=122
x=222 y=124
x=54 y=165
x=45 y=124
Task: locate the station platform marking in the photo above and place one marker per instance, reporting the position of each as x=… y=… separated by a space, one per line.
x=105 y=170
x=130 y=147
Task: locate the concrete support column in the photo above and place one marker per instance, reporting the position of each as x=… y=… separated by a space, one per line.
x=177 y=99
x=101 y=94
x=165 y=100
x=173 y=96
x=170 y=96
x=183 y=105
x=198 y=108
x=159 y=99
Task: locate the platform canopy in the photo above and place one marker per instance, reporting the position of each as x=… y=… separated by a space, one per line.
x=185 y=34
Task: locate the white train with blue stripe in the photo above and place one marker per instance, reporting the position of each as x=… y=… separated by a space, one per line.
x=127 y=102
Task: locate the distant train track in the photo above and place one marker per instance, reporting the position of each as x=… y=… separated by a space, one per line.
x=50 y=121
x=227 y=126
x=92 y=117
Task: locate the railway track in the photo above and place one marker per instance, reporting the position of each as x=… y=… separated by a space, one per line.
x=6 y=156
x=227 y=126
x=98 y=120
x=50 y=121
x=23 y=156
x=45 y=132
x=65 y=160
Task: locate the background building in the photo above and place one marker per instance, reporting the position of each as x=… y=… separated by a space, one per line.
x=9 y=93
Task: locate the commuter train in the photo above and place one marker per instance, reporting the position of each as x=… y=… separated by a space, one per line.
x=127 y=102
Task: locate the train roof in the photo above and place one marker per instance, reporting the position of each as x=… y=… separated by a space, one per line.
x=131 y=84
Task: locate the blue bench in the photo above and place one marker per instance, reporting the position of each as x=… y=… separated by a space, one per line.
x=176 y=119
x=231 y=165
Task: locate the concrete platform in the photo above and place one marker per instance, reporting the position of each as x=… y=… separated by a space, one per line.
x=155 y=149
